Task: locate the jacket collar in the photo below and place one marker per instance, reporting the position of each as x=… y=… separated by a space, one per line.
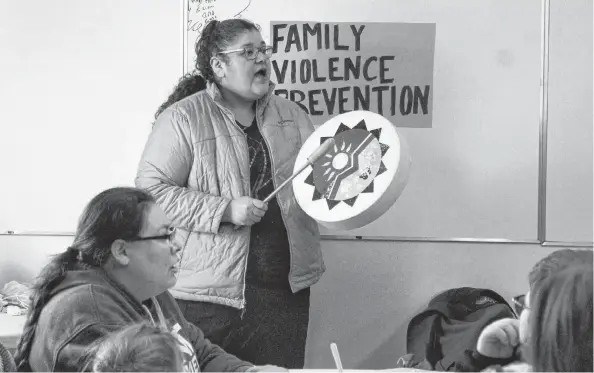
x=215 y=93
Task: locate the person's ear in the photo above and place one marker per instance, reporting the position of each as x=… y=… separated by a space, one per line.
x=218 y=67
x=118 y=251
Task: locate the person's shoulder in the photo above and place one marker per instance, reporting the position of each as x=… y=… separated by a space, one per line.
x=191 y=109
x=197 y=101
x=73 y=298
x=185 y=106
x=196 y=98
x=92 y=300
x=67 y=311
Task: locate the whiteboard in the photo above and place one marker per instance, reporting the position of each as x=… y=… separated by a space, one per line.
x=569 y=156
x=475 y=171
x=81 y=81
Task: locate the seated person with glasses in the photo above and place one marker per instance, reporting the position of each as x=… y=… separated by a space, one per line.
x=557 y=307
x=220 y=145
x=117 y=272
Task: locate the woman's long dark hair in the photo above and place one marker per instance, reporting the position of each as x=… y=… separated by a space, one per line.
x=560 y=336
x=215 y=37
x=116 y=213
x=187 y=85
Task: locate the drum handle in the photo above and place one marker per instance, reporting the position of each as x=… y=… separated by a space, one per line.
x=319 y=152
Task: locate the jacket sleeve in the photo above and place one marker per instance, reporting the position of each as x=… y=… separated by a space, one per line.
x=164 y=170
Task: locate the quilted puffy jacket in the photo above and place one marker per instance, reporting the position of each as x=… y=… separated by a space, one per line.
x=196 y=161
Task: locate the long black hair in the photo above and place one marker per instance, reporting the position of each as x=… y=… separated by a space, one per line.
x=116 y=213
x=215 y=37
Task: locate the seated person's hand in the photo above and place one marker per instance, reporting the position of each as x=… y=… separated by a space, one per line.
x=499 y=339
x=267 y=368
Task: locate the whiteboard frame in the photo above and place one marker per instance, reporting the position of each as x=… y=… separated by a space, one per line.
x=542 y=161
x=543 y=119
x=373 y=239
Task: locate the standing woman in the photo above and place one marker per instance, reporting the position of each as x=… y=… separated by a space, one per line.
x=210 y=160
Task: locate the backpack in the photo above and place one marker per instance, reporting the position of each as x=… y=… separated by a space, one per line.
x=443 y=336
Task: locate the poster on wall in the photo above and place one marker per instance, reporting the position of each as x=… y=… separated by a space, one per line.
x=333 y=68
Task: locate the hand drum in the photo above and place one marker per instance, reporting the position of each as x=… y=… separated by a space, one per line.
x=359 y=178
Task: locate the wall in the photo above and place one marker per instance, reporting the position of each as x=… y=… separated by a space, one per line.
x=81 y=81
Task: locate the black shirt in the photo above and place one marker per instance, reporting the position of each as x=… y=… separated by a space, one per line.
x=269 y=257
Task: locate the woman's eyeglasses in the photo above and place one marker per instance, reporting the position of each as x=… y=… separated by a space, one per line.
x=520 y=303
x=251 y=52
x=169 y=237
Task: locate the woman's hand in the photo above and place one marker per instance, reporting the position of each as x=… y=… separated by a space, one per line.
x=245 y=211
x=499 y=339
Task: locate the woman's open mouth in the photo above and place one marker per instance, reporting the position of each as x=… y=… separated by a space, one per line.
x=262 y=73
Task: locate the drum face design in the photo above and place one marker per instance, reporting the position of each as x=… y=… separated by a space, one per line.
x=350 y=167
x=359 y=178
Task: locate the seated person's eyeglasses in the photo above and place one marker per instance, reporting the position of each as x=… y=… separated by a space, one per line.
x=251 y=52
x=169 y=236
x=520 y=303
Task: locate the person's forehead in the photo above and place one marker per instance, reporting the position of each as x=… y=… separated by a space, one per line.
x=251 y=37
x=155 y=219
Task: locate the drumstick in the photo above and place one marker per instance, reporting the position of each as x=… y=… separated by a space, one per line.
x=336 y=356
x=320 y=151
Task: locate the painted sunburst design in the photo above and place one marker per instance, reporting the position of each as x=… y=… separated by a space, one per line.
x=350 y=167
